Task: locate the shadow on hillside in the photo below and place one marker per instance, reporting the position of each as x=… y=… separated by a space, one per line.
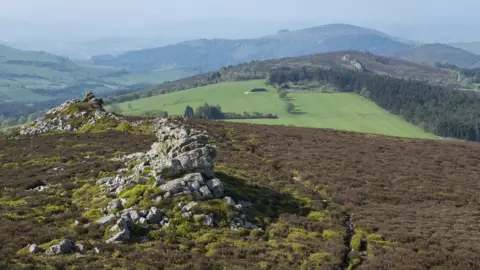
x=265 y=201
x=297 y=112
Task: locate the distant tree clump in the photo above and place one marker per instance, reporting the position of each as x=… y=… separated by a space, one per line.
x=189 y=113
x=207 y=111
x=289 y=107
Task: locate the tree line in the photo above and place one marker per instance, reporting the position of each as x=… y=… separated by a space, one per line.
x=207 y=111
x=439 y=110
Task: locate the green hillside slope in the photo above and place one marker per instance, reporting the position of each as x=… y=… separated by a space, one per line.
x=343 y=111
x=36 y=76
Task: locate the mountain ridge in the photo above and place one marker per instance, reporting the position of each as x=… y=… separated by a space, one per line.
x=227 y=52
x=441 y=53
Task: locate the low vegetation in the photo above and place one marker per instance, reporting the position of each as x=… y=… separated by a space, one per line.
x=300 y=199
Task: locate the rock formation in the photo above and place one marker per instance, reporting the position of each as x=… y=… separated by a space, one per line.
x=353 y=62
x=71 y=115
x=179 y=164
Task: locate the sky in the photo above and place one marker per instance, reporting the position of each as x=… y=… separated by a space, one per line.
x=174 y=11
x=37 y=24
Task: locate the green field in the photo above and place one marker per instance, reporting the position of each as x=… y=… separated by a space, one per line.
x=343 y=111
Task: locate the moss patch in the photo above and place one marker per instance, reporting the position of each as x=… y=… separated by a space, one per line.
x=141 y=195
x=101 y=125
x=332 y=234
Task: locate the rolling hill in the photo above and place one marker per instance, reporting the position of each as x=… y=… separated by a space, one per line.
x=473 y=46
x=36 y=76
x=441 y=53
x=343 y=111
x=207 y=55
x=369 y=63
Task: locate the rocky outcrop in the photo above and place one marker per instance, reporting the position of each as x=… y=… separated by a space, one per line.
x=71 y=115
x=353 y=62
x=180 y=150
x=181 y=163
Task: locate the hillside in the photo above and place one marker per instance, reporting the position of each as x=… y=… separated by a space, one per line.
x=473 y=47
x=441 y=53
x=342 y=111
x=211 y=195
x=28 y=76
x=353 y=60
x=422 y=95
x=207 y=55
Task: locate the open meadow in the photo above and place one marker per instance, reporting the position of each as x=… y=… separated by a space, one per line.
x=341 y=111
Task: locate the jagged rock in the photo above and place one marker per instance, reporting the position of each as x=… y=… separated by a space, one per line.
x=185 y=185
x=179 y=151
x=142 y=220
x=97 y=250
x=65 y=247
x=187 y=215
x=205 y=192
x=154 y=216
x=143 y=213
x=189 y=206
x=40 y=188
x=114 y=228
x=158 y=199
x=167 y=195
x=174 y=186
x=193 y=177
x=125 y=223
x=164 y=222
x=216 y=187
x=106 y=219
x=194 y=186
x=121 y=236
x=115 y=205
x=229 y=200
x=60 y=117
x=181 y=204
x=208 y=221
x=132 y=214
x=79 y=247
x=33 y=248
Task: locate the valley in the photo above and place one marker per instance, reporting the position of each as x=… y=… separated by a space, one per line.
x=344 y=111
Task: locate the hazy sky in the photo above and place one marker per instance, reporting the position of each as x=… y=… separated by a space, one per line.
x=419 y=20
x=161 y=11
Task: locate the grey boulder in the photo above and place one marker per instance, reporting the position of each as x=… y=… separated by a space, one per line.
x=216 y=187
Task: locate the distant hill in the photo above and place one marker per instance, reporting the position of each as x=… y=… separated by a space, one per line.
x=34 y=76
x=364 y=62
x=473 y=47
x=206 y=55
x=441 y=53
